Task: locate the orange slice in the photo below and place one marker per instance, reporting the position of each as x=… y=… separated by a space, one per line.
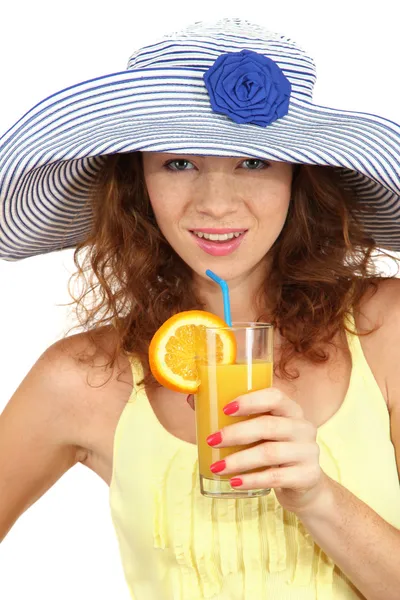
x=175 y=344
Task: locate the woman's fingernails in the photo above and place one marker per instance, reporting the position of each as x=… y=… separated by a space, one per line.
x=214 y=439
x=218 y=466
x=231 y=408
x=236 y=481
x=190 y=399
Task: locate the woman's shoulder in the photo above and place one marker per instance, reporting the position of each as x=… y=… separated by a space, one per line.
x=76 y=372
x=78 y=368
x=90 y=352
x=380 y=305
x=85 y=359
x=379 y=313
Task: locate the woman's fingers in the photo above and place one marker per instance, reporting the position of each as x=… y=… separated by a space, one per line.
x=269 y=400
x=294 y=478
x=270 y=454
x=265 y=427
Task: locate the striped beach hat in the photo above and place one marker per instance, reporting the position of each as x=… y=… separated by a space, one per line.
x=228 y=88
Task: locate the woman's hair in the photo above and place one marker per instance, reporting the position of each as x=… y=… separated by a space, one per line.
x=132 y=280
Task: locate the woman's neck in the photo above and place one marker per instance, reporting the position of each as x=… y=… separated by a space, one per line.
x=243 y=296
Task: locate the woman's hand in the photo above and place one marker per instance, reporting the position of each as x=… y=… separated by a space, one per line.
x=286 y=454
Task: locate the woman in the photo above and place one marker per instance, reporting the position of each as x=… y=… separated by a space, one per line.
x=212 y=130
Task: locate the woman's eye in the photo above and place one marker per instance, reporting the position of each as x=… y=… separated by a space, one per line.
x=253 y=164
x=179 y=165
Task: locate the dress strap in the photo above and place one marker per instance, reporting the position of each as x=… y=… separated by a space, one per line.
x=354 y=342
x=360 y=365
x=137 y=376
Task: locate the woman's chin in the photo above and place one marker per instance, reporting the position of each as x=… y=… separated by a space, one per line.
x=229 y=271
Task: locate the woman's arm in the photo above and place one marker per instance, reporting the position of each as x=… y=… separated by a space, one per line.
x=39 y=432
x=363 y=545
x=360 y=542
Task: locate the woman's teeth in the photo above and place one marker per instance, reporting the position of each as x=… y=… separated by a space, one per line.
x=218 y=237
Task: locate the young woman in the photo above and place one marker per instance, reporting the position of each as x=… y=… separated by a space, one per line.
x=213 y=133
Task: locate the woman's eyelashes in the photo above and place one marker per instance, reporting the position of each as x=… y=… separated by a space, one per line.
x=256 y=164
x=251 y=164
x=179 y=164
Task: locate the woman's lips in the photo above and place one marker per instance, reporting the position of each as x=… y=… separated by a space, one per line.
x=219 y=248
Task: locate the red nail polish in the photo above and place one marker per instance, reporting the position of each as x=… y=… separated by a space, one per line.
x=214 y=439
x=236 y=481
x=231 y=408
x=218 y=466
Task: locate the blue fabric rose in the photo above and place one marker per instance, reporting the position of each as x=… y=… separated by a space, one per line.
x=248 y=87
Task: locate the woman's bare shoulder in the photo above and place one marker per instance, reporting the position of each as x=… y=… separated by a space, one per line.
x=379 y=311
x=88 y=355
x=384 y=347
x=380 y=304
x=78 y=372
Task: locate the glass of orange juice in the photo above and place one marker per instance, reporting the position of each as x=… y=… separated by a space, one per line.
x=223 y=383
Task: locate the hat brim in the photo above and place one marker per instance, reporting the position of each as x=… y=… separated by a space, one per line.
x=50 y=158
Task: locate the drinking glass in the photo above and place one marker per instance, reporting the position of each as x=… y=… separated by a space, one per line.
x=223 y=383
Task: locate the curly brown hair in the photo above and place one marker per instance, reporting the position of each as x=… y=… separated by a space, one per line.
x=322 y=265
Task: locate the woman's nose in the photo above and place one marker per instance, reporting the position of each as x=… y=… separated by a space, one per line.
x=216 y=198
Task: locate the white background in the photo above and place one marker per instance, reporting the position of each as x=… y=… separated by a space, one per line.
x=64 y=546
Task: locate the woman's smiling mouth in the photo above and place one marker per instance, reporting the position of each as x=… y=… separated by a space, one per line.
x=218 y=242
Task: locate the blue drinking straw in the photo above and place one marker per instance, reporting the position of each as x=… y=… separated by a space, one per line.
x=225 y=294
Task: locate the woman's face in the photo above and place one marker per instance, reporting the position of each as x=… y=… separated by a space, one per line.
x=218 y=213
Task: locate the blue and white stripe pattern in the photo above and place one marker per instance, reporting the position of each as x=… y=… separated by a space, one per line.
x=50 y=157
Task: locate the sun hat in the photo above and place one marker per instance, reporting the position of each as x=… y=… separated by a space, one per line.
x=227 y=88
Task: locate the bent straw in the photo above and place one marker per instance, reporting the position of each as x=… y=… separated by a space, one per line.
x=225 y=294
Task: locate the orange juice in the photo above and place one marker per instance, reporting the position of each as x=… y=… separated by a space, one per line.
x=221 y=384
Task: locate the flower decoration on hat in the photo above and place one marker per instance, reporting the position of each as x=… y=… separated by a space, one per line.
x=248 y=87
